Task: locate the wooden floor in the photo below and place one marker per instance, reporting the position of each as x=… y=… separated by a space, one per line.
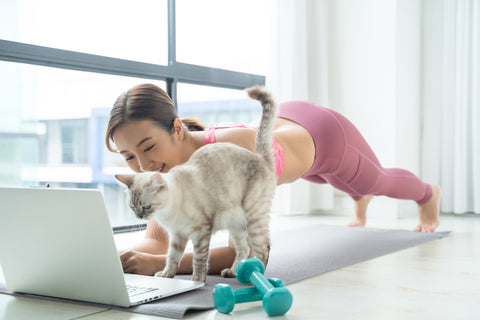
x=436 y=280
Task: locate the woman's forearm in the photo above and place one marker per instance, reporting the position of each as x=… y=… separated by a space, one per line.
x=134 y=261
x=220 y=258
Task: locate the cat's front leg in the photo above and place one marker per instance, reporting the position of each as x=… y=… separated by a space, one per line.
x=175 y=252
x=201 y=246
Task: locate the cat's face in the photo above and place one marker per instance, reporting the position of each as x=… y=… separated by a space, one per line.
x=147 y=193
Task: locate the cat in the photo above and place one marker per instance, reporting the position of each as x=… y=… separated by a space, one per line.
x=221 y=187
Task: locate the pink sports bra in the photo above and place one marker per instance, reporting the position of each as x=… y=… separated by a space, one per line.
x=278 y=151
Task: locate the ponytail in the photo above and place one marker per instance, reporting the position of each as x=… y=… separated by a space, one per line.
x=193 y=124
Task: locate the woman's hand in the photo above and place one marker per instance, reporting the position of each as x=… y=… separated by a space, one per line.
x=141 y=263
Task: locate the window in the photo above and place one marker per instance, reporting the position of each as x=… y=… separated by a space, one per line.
x=114 y=28
x=60 y=76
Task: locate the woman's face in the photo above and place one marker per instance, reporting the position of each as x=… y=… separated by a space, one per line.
x=147 y=147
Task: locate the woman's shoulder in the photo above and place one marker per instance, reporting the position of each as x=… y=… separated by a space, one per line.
x=243 y=136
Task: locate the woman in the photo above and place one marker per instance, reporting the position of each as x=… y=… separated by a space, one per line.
x=311 y=142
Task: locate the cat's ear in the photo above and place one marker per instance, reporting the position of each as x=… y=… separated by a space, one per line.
x=126 y=179
x=157 y=181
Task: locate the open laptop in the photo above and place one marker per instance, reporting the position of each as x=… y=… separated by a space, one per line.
x=59 y=243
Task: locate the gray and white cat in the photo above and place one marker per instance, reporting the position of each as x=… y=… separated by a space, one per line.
x=222 y=186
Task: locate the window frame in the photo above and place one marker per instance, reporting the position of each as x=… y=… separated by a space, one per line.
x=173 y=73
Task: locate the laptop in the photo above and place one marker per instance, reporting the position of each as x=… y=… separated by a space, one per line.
x=59 y=243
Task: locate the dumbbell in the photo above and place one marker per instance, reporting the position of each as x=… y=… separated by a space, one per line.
x=276 y=300
x=225 y=298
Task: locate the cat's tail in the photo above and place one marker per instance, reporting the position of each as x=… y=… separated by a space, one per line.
x=264 y=135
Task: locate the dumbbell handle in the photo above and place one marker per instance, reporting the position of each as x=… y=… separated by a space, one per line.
x=252 y=294
x=247 y=295
x=260 y=282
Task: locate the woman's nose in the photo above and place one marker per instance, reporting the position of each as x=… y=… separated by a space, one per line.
x=144 y=164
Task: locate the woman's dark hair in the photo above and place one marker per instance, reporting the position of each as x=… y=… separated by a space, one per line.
x=145 y=102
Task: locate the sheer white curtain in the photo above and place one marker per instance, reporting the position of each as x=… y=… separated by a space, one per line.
x=298 y=71
x=451 y=100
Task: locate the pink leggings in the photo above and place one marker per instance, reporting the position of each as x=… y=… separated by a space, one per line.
x=345 y=160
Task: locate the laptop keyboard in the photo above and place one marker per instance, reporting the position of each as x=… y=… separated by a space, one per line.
x=135 y=291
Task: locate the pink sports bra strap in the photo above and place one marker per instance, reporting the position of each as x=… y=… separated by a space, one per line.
x=279 y=158
x=209 y=135
x=210 y=131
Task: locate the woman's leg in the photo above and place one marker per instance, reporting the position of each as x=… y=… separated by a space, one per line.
x=429 y=212
x=345 y=160
x=400 y=184
x=360 y=217
x=360 y=174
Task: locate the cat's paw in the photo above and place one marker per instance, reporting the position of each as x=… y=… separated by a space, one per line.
x=228 y=273
x=198 y=277
x=164 y=274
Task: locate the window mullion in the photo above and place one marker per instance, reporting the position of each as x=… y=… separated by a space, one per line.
x=172 y=50
x=172 y=33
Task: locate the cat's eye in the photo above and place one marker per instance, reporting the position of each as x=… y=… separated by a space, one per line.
x=147 y=207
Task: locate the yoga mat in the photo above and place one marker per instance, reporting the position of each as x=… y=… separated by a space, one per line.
x=296 y=254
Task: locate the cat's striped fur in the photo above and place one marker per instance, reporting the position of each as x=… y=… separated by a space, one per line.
x=221 y=186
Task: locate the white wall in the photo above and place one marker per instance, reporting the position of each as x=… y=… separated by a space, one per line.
x=408 y=84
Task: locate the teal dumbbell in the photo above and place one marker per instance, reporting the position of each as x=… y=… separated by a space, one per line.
x=225 y=298
x=276 y=300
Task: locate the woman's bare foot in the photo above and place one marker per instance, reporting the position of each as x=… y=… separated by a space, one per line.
x=429 y=212
x=360 y=218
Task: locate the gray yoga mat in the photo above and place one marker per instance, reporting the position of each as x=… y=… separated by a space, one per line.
x=296 y=254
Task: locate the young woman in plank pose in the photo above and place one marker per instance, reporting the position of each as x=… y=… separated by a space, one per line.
x=311 y=142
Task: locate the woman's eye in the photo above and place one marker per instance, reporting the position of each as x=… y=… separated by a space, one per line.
x=129 y=158
x=149 y=148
